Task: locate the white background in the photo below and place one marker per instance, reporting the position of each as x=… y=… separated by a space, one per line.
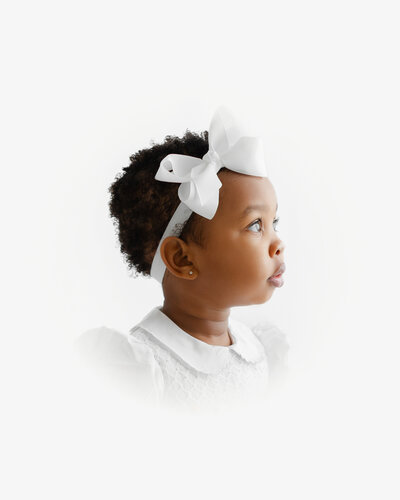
x=85 y=85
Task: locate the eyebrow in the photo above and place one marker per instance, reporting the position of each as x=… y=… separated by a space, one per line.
x=252 y=208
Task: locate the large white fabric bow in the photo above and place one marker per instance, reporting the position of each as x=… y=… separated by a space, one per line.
x=200 y=185
x=199 y=189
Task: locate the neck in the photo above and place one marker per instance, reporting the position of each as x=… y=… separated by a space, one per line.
x=207 y=324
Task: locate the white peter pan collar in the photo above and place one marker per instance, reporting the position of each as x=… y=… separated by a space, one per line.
x=203 y=357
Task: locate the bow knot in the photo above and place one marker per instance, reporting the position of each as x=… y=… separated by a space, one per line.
x=213 y=157
x=199 y=189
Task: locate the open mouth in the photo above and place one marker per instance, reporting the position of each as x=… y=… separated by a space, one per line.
x=277 y=278
x=279 y=271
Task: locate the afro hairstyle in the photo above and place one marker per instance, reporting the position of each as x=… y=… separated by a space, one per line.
x=141 y=206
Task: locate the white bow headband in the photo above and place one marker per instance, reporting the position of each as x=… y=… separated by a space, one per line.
x=199 y=189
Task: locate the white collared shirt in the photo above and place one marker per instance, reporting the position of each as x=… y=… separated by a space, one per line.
x=165 y=365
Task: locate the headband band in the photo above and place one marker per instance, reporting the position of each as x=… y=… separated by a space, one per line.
x=200 y=185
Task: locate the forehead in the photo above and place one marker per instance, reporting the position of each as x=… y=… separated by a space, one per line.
x=238 y=191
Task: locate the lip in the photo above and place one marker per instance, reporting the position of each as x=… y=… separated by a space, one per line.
x=281 y=269
x=276 y=279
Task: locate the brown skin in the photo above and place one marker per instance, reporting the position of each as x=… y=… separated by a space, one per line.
x=232 y=270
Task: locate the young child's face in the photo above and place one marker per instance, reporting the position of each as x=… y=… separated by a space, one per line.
x=242 y=249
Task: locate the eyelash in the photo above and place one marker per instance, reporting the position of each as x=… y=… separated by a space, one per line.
x=275 y=221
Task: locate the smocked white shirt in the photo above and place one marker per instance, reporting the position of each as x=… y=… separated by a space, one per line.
x=160 y=363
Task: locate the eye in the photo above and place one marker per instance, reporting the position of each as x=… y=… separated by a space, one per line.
x=258 y=222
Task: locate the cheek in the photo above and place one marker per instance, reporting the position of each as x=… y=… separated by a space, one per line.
x=238 y=258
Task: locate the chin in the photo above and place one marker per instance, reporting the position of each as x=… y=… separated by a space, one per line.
x=264 y=297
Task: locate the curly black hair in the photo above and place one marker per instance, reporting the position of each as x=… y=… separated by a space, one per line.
x=141 y=206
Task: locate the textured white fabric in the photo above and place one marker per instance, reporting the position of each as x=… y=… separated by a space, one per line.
x=163 y=364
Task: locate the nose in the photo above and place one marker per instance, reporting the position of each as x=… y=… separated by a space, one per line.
x=277 y=247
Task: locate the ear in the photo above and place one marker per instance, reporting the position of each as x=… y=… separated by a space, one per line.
x=176 y=256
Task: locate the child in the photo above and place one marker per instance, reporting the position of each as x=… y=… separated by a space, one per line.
x=198 y=214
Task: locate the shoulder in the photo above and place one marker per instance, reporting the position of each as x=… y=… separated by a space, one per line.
x=122 y=360
x=275 y=344
x=102 y=344
x=107 y=345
